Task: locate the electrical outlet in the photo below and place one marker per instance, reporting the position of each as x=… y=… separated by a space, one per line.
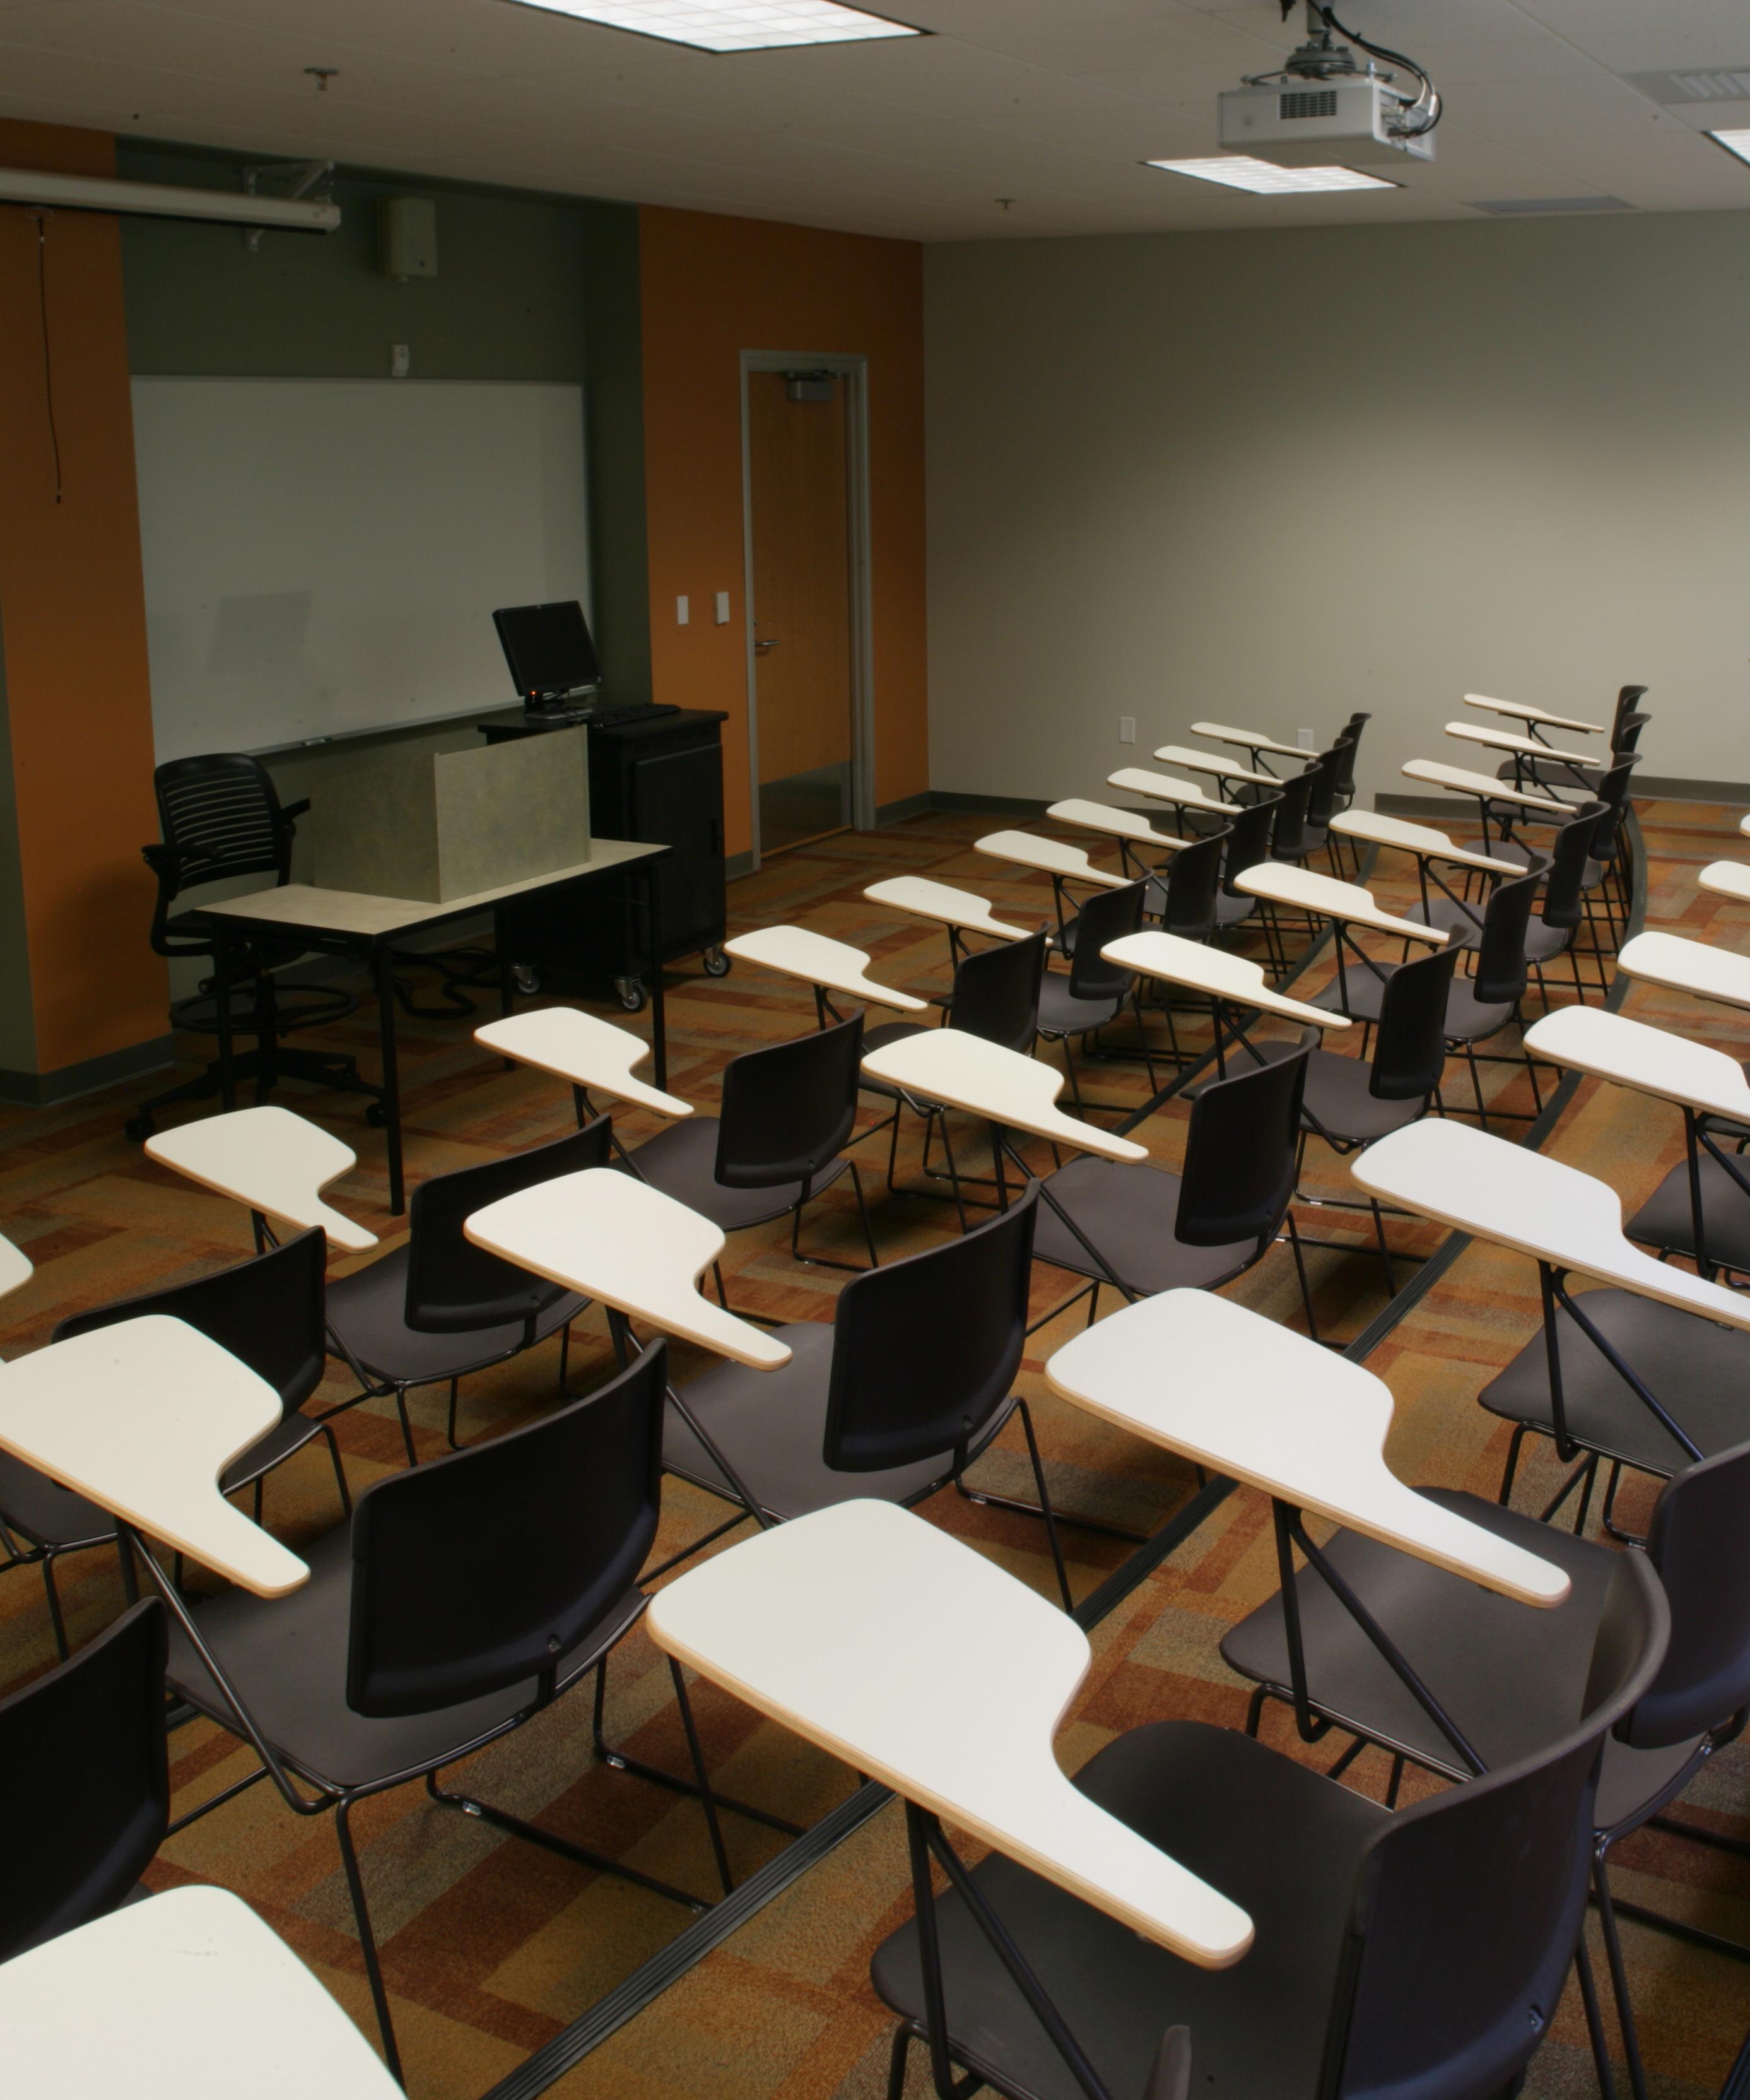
x=683 y=612
x=1126 y=729
x=723 y=608
x=400 y=359
x=1303 y=737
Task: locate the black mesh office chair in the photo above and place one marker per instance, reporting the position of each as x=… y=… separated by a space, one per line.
x=222 y=819
x=86 y=1776
x=1414 y=1956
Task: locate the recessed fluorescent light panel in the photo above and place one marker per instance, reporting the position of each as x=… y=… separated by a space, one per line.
x=734 y=26
x=1235 y=171
x=1735 y=143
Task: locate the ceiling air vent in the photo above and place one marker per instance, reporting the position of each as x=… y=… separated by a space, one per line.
x=1307 y=102
x=1695 y=84
x=1545 y=207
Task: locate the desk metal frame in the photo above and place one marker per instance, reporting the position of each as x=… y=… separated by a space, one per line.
x=232 y=928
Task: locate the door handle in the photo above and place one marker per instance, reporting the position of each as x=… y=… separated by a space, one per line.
x=759 y=648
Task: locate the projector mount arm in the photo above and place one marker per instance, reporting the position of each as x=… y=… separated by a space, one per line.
x=1321 y=57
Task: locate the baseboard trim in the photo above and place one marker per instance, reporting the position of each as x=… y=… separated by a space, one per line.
x=91 y=1076
x=1007 y=806
x=736 y=866
x=901 y=812
x=1674 y=787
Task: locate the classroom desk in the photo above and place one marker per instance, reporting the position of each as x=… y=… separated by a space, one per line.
x=960 y=910
x=1536 y=717
x=1517 y=748
x=273 y=1161
x=1727 y=878
x=1676 y=964
x=1252 y=740
x=1164 y=787
x=186 y=1996
x=343 y=922
x=1063 y=863
x=16 y=1267
x=1488 y=791
x=583 y=1049
x=824 y=965
x=1345 y=904
x=914 y=1659
x=1124 y=825
x=1189 y=760
x=142 y=1419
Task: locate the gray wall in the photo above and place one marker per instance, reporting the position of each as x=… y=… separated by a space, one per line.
x=1269 y=477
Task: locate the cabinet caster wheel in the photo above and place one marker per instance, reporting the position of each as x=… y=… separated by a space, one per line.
x=527 y=979
x=631 y=991
x=377 y=1116
x=138 y=1129
x=716 y=962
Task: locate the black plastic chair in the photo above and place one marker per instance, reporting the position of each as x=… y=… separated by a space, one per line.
x=438 y=1306
x=1187 y=901
x=787 y=1113
x=462 y=1598
x=268 y=1312
x=1325 y=776
x=1349 y=1102
x=914 y=1379
x=1414 y=1956
x=1134 y=1225
x=1511 y=1678
x=83 y=1765
x=1092 y=992
x=1247 y=844
x=996 y=996
x=41 y=1521
x=222 y=819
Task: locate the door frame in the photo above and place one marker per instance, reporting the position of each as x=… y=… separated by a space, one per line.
x=854 y=371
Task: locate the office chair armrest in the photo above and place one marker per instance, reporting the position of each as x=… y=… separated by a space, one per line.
x=292 y=811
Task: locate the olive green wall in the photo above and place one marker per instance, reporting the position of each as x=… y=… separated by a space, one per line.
x=528 y=288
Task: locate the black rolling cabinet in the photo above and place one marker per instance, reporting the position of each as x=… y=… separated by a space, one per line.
x=658 y=781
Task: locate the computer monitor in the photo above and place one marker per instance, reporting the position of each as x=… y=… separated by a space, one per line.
x=547 y=648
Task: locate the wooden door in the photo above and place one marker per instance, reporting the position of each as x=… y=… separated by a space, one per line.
x=800 y=491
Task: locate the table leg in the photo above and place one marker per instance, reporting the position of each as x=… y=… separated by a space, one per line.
x=228 y=1077
x=385 y=1037
x=658 y=1014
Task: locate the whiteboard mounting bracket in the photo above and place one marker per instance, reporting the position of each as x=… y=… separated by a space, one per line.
x=302 y=177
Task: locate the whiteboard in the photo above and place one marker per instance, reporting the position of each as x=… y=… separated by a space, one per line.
x=322 y=556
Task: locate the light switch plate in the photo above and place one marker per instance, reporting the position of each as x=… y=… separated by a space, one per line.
x=723 y=608
x=683 y=612
x=1304 y=738
x=400 y=361
x=1126 y=729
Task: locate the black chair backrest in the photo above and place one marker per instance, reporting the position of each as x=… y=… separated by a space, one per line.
x=1468 y=1906
x=221 y=816
x=1108 y=914
x=267 y=1311
x=1349 y=743
x=1628 y=734
x=1628 y=697
x=788 y=1111
x=1326 y=771
x=1563 y=905
x=555 y=1519
x=1409 y=1051
x=83 y=1762
x=1500 y=951
x=1697 y=1544
x=1239 y=1167
x=924 y=1351
x=1290 y=839
x=1248 y=841
x=454 y=1288
x=1193 y=880
x=996 y=993
x=1613 y=792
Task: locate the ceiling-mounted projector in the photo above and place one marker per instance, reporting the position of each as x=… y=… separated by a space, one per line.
x=1322 y=107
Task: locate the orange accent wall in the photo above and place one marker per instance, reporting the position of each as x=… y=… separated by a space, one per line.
x=72 y=620
x=711 y=287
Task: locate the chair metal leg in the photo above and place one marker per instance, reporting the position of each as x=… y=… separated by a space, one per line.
x=349 y=1858
x=450 y=1425
x=1589 y=1998
x=1300 y=1270
x=707 y=1799
x=406 y=1426
x=1045 y=1510
x=339 y=1471
x=55 y=1620
x=1619 y=1973
x=618 y=1761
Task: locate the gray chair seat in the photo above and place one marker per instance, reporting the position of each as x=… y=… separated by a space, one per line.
x=682 y=1162
x=1544 y=942
x=1338 y=1098
x=288 y=1657
x=1698 y=1372
x=1062 y=1013
x=770 y=1427
x=1232 y=911
x=1130 y=1212
x=1271 y=1834
x=47 y=1514
x=1365 y=992
x=368 y=1310
x=878 y=1038
x=1513 y=1679
x=1470 y=1019
x=1666 y=1221
x=1444 y=912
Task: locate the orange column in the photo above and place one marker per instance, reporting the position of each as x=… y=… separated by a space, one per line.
x=72 y=619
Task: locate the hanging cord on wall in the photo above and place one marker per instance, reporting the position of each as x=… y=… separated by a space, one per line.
x=41 y=218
